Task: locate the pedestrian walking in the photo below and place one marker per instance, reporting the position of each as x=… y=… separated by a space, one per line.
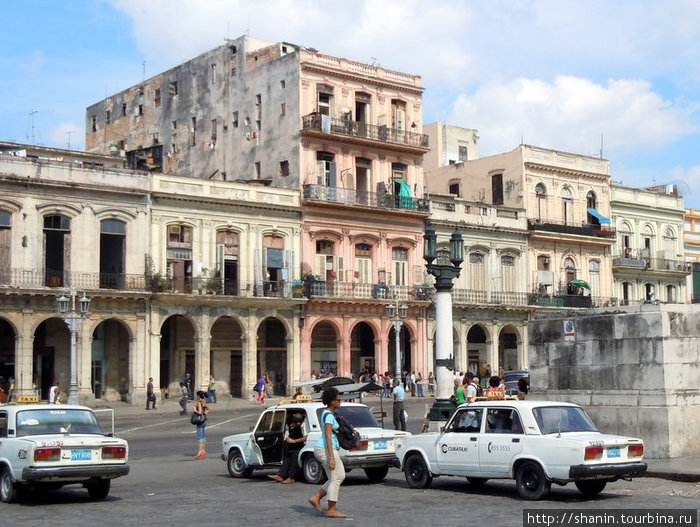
x=261 y=390
x=201 y=408
x=431 y=384
x=398 y=414
x=150 y=395
x=419 y=384
x=185 y=395
x=187 y=381
x=326 y=451
x=54 y=393
x=211 y=391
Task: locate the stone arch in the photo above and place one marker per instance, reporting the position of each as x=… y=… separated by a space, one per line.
x=8 y=357
x=226 y=354
x=478 y=341
x=178 y=341
x=272 y=354
x=509 y=343
x=325 y=334
x=110 y=372
x=363 y=335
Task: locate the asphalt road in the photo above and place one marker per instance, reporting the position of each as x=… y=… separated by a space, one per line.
x=166 y=487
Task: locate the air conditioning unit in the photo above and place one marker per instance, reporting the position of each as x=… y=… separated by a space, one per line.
x=175 y=230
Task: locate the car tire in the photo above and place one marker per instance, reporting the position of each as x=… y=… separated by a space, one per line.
x=591 y=487
x=531 y=481
x=99 y=490
x=237 y=466
x=477 y=482
x=313 y=470
x=9 y=491
x=417 y=474
x=376 y=474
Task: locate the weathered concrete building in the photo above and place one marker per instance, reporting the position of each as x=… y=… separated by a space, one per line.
x=648 y=261
x=691 y=249
x=566 y=198
x=635 y=369
x=449 y=144
x=347 y=135
x=490 y=300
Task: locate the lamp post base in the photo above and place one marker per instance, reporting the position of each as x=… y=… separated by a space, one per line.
x=442 y=410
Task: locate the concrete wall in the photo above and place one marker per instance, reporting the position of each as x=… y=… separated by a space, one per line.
x=636 y=370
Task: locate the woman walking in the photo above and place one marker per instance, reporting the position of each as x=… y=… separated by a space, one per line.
x=201 y=408
x=326 y=451
x=261 y=390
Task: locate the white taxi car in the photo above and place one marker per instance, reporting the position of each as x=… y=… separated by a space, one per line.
x=537 y=443
x=49 y=446
x=262 y=448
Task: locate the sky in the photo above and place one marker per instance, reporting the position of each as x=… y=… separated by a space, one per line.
x=621 y=76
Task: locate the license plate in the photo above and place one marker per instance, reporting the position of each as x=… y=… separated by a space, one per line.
x=614 y=452
x=81 y=455
x=380 y=445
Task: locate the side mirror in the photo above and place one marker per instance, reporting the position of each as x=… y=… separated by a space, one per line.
x=442 y=429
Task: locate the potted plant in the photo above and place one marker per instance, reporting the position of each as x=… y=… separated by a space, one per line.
x=297 y=289
x=212 y=285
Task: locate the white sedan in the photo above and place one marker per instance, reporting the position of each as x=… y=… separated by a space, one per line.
x=49 y=446
x=263 y=447
x=537 y=443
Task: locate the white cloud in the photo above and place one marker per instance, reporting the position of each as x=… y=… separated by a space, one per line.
x=67 y=133
x=571 y=113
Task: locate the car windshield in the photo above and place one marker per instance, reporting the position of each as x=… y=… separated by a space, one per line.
x=555 y=419
x=358 y=416
x=56 y=421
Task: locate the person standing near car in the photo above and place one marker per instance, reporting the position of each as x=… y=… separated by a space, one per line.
x=326 y=451
x=523 y=387
x=399 y=395
x=201 y=408
x=54 y=393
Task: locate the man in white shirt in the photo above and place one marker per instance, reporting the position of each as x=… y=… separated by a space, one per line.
x=54 y=392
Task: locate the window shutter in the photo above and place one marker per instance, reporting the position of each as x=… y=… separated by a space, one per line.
x=258 y=272
x=220 y=252
x=321 y=266
x=332 y=174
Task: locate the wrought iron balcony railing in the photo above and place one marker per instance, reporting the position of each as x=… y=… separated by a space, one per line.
x=349 y=196
x=353 y=129
x=48 y=278
x=360 y=291
x=585 y=229
x=640 y=262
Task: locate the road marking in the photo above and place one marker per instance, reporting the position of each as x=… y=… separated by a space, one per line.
x=135 y=429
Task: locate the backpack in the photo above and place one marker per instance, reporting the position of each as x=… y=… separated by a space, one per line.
x=348 y=437
x=255 y=387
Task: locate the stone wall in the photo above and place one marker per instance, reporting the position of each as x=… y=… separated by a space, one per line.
x=635 y=369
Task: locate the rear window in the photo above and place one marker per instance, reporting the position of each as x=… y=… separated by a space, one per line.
x=56 y=421
x=357 y=416
x=555 y=419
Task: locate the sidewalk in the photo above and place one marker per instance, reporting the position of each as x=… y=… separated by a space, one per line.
x=686 y=469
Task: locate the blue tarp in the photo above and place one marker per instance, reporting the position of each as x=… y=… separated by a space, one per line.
x=405 y=198
x=596 y=214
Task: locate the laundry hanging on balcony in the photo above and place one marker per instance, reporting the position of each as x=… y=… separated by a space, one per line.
x=405 y=199
x=597 y=215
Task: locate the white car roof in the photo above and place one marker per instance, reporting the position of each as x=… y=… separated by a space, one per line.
x=525 y=405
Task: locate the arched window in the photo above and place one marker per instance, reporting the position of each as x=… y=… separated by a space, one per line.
x=567 y=206
x=594 y=277
x=669 y=246
x=507 y=273
x=5 y=237
x=399 y=255
x=363 y=263
x=591 y=200
x=541 y=195
x=569 y=270
x=477 y=271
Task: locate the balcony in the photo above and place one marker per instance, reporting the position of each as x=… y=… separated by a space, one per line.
x=348 y=196
x=570 y=301
x=489 y=298
x=560 y=227
x=629 y=261
x=364 y=134
x=362 y=291
x=51 y=279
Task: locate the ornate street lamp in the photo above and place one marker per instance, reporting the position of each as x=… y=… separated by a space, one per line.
x=397 y=314
x=73 y=319
x=445 y=267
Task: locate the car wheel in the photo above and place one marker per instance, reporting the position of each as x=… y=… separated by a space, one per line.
x=531 y=482
x=313 y=470
x=376 y=474
x=417 y=473
x=477 y=482
x=591 y=487
x=237 y=466
x=99 y=490
x=8 y=488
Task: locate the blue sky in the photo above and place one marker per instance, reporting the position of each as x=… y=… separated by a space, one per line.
x=553 y=73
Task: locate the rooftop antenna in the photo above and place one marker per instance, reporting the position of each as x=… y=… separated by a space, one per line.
x=31 y=124
x=601 y=146
x=68 y=134
x=144 y=70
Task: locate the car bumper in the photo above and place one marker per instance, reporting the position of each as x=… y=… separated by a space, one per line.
x=360 y=461
x=74 y=473
x=612 y=469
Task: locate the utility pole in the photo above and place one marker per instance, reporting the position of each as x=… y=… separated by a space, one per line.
x=31 y=126
x=68 y=134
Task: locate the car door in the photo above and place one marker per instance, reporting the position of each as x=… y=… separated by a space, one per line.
x=269 y=435
x=501 y=441
x=457 y=449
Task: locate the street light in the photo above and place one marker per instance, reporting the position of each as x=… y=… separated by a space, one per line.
x=73 y=319
x=445 y=266
x=397 y=315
